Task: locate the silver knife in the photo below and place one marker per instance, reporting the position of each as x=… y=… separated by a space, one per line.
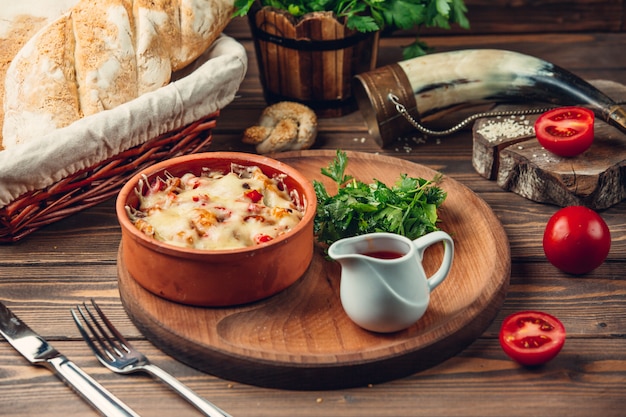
x=39 y=352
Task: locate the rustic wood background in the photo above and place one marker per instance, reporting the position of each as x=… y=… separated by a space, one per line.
x=545 y=16
x=74 y=259
x=521 y=16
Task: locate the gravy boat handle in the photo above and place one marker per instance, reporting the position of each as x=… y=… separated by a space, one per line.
x=422 y=243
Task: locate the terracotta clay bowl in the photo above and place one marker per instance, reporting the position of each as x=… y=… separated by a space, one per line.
x=217 y=277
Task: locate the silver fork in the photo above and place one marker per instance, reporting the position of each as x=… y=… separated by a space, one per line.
x=117 y=354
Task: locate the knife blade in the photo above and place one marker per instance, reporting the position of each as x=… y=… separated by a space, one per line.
x=39 y=352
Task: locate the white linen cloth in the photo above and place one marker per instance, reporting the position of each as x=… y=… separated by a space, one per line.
x=206 y=86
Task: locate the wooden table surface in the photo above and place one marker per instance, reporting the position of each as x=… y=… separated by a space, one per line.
x=44 y=275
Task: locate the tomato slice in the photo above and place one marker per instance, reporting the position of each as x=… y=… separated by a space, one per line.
x=566 y=131
x=254 y=195
x=262 y=238
x=532 y=337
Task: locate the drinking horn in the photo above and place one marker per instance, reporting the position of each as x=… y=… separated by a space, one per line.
x=431 y=83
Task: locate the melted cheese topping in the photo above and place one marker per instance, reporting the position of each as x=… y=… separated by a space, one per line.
x=216 y=211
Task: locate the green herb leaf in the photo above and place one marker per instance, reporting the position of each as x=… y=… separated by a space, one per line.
x=408 y=208
x=242 y=7
x=336 y=169
x=362 y=23
x=373 y=15
x=443 y=7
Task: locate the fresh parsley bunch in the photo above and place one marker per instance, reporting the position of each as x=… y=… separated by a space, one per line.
x=408 y=208
x=374 y=15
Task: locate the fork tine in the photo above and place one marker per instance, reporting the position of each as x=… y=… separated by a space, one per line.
x=86 y=336
x=123 y=358
x=118 y=336
x=110 y=347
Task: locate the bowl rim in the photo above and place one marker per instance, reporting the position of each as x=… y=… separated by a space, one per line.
x=237 y=157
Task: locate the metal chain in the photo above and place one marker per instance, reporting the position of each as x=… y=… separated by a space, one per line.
x=403 y=111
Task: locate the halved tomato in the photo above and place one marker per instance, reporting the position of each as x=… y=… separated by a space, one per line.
x=532 y=337
x=566 y=131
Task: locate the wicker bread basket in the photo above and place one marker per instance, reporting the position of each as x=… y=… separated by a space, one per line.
x=81 y=180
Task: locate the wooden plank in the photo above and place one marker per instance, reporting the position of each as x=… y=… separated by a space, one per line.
x=527 y=16
x=586 y=368
x=266 y=22
x=74 y=259
x=522 y=16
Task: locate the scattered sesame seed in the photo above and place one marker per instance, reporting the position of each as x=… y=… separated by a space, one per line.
x=508 y=128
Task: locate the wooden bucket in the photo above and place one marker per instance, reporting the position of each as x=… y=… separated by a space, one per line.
x=310 y=60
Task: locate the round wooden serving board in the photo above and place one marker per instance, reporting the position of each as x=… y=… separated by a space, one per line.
x=302 y=338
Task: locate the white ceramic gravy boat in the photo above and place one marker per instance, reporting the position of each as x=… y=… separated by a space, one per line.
x=383 y=284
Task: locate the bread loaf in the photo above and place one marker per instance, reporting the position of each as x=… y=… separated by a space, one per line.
x=19 y=21
x=100 y=54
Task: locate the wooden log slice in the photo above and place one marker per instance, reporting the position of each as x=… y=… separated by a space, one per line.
x=506 y=150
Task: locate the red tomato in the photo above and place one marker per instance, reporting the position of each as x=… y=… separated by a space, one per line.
x=262 y=238
x=532 y=337
x=254 y=195
x=576 y=240
x=565 y=131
